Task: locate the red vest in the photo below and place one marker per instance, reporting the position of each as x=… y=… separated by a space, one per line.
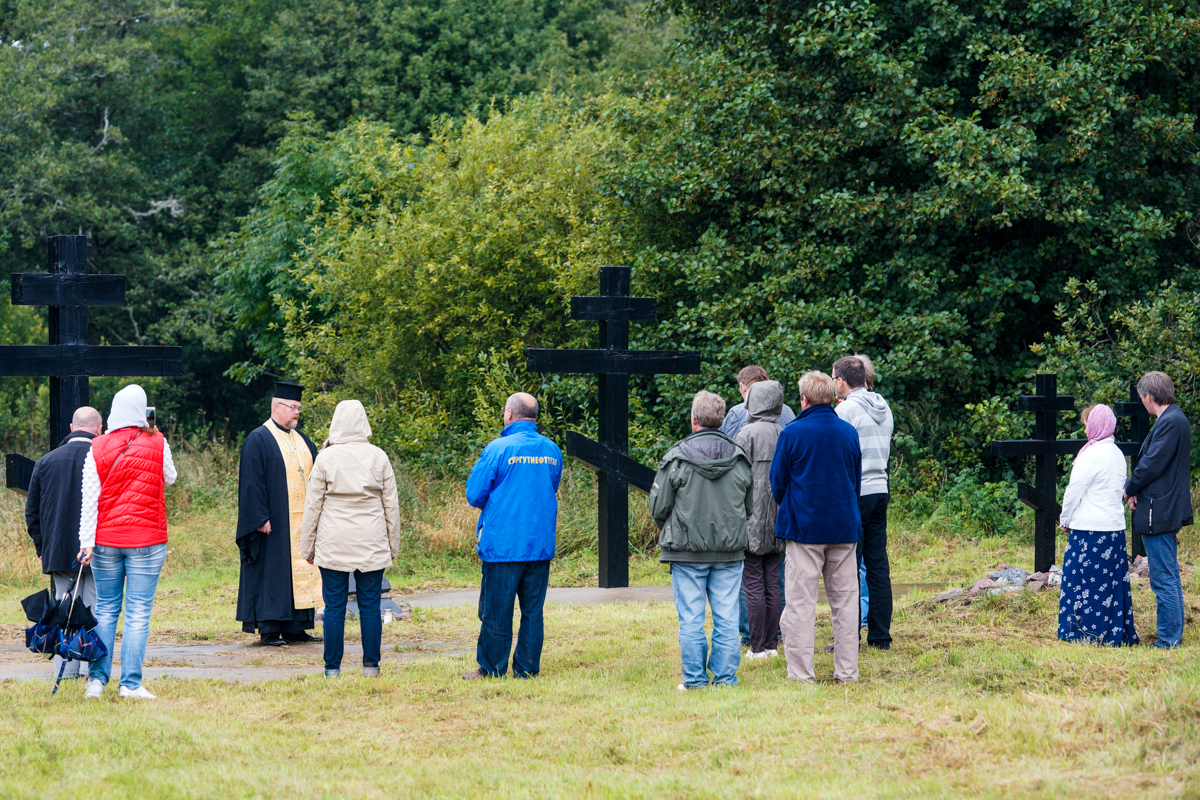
x=133 y=510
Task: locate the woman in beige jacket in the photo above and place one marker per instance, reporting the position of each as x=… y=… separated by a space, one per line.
x=351 y=524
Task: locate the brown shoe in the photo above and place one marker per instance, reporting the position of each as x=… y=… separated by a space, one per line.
x=470 y=676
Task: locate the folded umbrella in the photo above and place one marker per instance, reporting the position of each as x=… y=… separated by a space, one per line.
x=63 y=628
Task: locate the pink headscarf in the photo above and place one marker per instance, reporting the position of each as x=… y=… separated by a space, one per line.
x=1101 y=424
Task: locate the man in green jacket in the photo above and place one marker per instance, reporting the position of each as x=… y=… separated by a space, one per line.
x=702 y=496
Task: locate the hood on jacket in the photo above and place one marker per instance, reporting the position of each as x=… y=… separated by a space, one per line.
x=711 y=452
x=874 y=404
x=764 y=401
x=128 y=409
x=349 y=424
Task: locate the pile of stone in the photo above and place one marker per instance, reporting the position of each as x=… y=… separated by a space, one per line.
x=1006 y=580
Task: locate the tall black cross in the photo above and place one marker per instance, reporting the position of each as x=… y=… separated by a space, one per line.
x=1046 y=447
x=68 y=360
x=614 y=309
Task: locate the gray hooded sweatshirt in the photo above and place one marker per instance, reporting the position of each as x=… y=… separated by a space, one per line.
x=764 y=405
x=871 y=417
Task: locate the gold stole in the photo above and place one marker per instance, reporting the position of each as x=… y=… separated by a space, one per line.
x=306 y=578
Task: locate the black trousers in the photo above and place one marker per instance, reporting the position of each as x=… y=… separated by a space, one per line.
x=872 y=551
x=760 y=581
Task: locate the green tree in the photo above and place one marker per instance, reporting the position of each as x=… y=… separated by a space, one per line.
x=465 y=254
x=407 y=63
x=913 y=180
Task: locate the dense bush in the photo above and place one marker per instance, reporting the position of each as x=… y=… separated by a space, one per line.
x=421 y=271
x=917 y=181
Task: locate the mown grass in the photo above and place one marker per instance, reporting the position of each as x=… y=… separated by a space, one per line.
x=972 y=701
x=977 y=700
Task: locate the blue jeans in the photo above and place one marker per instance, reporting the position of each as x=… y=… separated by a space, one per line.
x=719 y=585
x=864 y=595
x=1162 y=551
x=130 y=573
x=368 y=588
x=504 y=582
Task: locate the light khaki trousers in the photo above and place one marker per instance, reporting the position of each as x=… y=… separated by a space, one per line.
x=804 y=565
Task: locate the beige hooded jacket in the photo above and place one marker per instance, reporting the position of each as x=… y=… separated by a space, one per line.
x=352 y=514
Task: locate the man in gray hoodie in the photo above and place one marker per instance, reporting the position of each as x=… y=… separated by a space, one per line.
x=702 y=495
x=760 y=574
x=872 y=418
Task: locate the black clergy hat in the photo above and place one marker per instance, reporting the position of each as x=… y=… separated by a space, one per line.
x=288 y=391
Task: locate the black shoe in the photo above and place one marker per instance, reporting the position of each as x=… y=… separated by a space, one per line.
x=880 y=645
x=301 y=638
x=272 y=640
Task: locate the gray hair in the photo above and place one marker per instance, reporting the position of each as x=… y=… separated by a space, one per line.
x=817 y=388
x=1159 y=386
x=708 y=409
x=522 y=406
x=870 y=368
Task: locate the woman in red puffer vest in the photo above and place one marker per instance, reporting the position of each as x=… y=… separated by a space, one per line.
x=123 y=533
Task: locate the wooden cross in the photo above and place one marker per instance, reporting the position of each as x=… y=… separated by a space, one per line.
x=614 y=309
x=1046 y=447
x=68 y=360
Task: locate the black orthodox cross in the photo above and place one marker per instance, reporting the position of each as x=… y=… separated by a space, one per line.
x=1046 y=447
x=614 y=309
x=68 y=360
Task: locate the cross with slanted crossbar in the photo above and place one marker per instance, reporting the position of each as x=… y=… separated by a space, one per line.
x=614 y=309
x=69 y=360
x=1046 y=447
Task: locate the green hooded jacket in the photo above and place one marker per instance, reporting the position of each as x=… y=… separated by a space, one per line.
x=702 y=496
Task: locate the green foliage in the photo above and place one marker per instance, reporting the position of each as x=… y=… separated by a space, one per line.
x=149 y=126
x=408 y=63
x=917 y=181
x=471 y=245
x=1098 y=354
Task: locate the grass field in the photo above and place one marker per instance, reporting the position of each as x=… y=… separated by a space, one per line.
x=977 y=701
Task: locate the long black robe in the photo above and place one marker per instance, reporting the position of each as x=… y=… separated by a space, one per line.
x=265 y=599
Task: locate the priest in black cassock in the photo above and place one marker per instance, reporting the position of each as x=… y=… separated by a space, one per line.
x=279 y=591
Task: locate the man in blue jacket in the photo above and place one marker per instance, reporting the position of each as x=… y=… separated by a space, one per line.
x=514 y=482
x=815 y=478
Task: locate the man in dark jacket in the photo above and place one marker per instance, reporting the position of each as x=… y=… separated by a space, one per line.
x=702 y=496
x=1159 y=494
x=815 y=478
x=52 y=512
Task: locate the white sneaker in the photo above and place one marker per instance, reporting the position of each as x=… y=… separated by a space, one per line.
x=95 y=690
x=681 y=688
x=770 y=653
x=752 y=654
x=140 y=693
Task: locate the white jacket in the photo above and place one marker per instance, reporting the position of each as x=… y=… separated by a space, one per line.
x=1092 y=501
x=351 y=512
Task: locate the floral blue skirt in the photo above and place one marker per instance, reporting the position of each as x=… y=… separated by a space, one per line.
x=1096 y=605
